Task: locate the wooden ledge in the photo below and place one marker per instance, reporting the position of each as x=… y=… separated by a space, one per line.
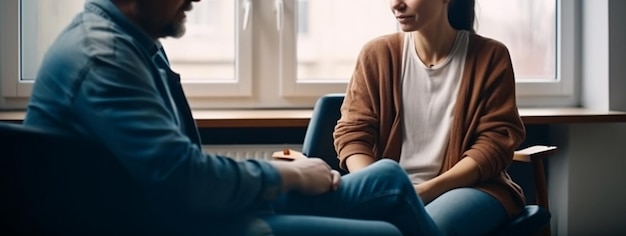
x=252 y=118
x=12 y=116
x=300 y=118
x=569 y=115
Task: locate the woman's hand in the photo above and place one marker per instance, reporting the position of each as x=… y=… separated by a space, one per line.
x=427 y=192
x=465 y=173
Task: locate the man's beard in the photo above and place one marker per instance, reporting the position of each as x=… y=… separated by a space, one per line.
x=175 y=29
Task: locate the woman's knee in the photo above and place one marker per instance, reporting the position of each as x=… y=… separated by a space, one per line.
x=466 y=211
x=387 y=170
x=387 y=166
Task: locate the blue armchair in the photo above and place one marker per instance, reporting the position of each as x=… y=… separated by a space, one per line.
x=53 y=184
x=535 y=218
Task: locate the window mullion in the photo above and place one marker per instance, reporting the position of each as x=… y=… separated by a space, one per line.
x=290 y=84
x=9 y=46
x=241 y=85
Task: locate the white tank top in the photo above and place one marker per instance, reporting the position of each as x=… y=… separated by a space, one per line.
x=428 y=98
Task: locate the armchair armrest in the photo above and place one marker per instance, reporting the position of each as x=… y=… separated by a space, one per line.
x=533 y=153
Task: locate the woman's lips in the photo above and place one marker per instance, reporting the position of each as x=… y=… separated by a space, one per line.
x=404 y=19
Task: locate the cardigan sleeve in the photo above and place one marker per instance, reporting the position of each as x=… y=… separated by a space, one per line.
x=357 y=130
x=499 y=130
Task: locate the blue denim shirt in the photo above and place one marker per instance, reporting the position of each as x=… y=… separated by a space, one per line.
x=105 y=80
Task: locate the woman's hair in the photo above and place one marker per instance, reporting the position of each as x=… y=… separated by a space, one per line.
x=461 y=14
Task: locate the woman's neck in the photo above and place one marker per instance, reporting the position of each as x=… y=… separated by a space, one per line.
x=434 y=44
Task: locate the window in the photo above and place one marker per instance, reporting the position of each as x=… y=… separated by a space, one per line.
x=39 y=28
x=540 y=35
x=325 y=56
x=529 y=32
x=208 y=49
x=286 y=53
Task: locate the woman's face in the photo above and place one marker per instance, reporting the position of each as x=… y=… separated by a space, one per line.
x=414 y=15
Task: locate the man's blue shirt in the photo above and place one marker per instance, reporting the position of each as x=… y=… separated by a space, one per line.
x=105 y=80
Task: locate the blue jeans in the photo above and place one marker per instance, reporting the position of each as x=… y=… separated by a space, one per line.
x=377 y=201
x=467 y=211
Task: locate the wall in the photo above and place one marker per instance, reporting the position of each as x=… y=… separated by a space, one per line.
x=586 y=179
x=596 y=180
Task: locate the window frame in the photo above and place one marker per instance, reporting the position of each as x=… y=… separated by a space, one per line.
x=15 y=86
x=561 y=90
x=558 y=91
x=257 y=86
x=10 y=74
x=241 y=86
x=290 y=84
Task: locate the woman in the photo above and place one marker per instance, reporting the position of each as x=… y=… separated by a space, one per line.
x=440 y=100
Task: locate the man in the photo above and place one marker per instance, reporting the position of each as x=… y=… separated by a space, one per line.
x=107 y=79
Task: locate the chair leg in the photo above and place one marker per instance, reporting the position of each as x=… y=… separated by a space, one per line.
x=540 y=184
x=541 y=190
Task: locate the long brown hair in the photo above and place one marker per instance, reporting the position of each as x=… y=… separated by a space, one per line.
x=461 y=14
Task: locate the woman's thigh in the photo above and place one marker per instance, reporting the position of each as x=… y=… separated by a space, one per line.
x=466 y=211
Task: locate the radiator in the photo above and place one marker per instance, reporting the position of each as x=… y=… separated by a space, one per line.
x=249 y=151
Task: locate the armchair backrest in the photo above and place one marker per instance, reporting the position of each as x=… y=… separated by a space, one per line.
x=53 y=183
x=318 y=140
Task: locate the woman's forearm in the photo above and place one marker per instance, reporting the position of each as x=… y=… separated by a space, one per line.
x=358 y=161
x=464 y=173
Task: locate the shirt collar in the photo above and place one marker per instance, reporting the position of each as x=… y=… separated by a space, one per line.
x=107 y=9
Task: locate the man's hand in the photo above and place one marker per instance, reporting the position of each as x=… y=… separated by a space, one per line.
x=308 y=176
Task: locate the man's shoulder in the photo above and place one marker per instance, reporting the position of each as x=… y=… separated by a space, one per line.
x=94 y=36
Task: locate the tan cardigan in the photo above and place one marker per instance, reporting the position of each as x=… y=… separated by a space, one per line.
x=486 y=124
